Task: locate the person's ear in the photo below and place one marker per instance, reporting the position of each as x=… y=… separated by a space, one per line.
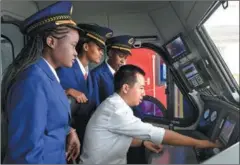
x=51 y=42
x=125 y=88
x=110 y=53
x=85 y=47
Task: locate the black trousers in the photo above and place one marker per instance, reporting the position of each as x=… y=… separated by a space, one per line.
x=81 y=113
x=80 y=118
x=136 y=155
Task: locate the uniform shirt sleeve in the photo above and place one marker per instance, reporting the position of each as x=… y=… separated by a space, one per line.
x=124 y=122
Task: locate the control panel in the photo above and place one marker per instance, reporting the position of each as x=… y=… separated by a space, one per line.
x=207 y=122
x=229 y=133
x=220 y=123
x=195 y=75
x=192 y=75
x=227 y=130
x=177 y=48
x=193 y=70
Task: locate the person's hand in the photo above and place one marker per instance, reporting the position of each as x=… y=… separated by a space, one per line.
x=208 y=144
x=77 y=95
x=153 y=147
x=73 y=145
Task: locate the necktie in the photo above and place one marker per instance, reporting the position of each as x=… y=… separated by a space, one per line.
x=85 y=76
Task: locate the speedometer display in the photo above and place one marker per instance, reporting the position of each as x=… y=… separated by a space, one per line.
x=213 y=116
x=206 y=114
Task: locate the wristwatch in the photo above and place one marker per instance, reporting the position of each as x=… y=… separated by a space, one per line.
x=142 y=145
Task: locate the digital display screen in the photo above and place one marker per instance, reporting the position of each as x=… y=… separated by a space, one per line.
x=227 y=130
x=189 y=70
x=176 y=47
x=163 y=71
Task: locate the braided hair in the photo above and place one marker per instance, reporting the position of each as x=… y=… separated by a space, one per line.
x=28 y=56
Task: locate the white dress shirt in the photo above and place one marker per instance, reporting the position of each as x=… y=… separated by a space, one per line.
x=53 y=70
x=110 y=131
x=110 y=68
x=83 y=69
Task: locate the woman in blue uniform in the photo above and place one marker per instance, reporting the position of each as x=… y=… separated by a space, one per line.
x=33 y=100
x=76 y=80
x=118 y=49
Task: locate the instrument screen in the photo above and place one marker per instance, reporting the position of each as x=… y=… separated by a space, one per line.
x=227 y=130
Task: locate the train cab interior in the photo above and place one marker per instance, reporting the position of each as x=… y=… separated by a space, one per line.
x=190 y=53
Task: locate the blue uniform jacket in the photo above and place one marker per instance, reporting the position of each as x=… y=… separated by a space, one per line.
x=102 y=83
x=38 y=118
x=103 y=86
x=74 y=78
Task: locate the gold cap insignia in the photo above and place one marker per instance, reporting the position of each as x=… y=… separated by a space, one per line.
x=71 y=10
x=108 y=35
x=130 y=41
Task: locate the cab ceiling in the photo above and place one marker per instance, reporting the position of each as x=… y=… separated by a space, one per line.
x=111 y=7
x=162 y=18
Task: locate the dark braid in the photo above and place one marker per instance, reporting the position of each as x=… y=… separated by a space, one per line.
x=28 y=56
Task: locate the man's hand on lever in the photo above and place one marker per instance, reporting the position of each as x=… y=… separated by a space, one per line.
x=79 y=96
x=73 y=145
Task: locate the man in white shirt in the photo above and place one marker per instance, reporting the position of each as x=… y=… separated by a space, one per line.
x=118 y=50
x=112 y=128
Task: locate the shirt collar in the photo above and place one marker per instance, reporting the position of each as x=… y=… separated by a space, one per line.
x=111 y=69
x=83 y=69
x=123 y=103
x=53 y=70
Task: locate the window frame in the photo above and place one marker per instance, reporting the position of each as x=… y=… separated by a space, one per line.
x=213 y=51
x=172 y=77
x=8 y=39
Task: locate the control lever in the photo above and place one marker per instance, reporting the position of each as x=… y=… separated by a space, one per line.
x=204 y=154
x=216 y=151
x=171 y=127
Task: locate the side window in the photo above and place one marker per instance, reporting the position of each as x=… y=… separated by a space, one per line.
x=12 y=41
x=7 y=53
x=222 y=28
x=155 y=102
x=13 y=33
